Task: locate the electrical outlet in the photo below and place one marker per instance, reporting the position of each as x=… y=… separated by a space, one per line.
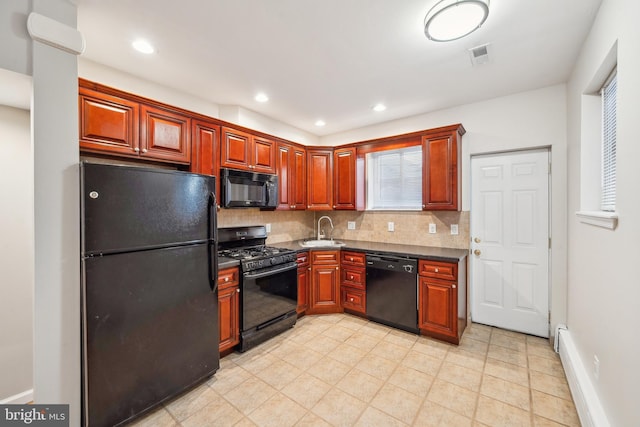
x=596 y=367
x=454 y=229
x=268 y=227
x=351 y=225
x=432 y=228
x=390 y=226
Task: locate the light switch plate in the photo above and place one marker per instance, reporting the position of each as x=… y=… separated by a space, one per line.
x=351 y=225
x=454 y=229
x=268 y=227
x=390 y=226
x=432 y=228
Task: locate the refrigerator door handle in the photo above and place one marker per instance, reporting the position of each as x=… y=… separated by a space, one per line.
x=213 y=239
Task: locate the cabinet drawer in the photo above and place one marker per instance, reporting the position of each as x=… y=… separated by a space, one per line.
x=352 y=258
x=353 y=276
x=354 y=299
x=324 y=257
x=228 y=277
x=303 y=259
x=438 y=270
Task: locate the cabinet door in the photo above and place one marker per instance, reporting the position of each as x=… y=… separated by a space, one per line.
x=344 y=179
x=325 y=289
x=320 y=180
x=164 y=135
x=440 y=172
x=235 y=149
x=205 y=142
x=298 y=183
x=437 y=308
x=108 y=124
x=283 y=169
x=303 y=289
x=263 y=158
x=229 y=317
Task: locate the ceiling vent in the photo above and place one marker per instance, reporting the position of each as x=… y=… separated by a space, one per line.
x=479 y=54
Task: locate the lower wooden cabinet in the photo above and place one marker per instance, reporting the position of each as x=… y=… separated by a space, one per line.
x=325 y=283
x=353 y=282
x=304 y=272
x=229 y=308
x=442 y=299
x=354 y=299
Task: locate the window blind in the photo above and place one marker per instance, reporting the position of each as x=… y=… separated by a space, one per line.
x=609 y=104
x=394 y=179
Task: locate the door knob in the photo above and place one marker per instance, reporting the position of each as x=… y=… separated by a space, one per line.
x=477 y=240
x=477 y=252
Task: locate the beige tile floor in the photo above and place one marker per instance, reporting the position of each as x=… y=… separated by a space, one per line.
x=341 y=370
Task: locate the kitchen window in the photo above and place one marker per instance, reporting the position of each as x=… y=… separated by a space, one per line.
x=609 y=107
x=394 y=179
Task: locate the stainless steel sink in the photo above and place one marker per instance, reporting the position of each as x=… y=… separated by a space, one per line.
x=321 y=243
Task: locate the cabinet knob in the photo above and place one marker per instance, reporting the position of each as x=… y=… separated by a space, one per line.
x=437 y=270
x=336 y=268
x=424 y=206
x=144 y=150
x=350 y=277
x=351 y=299
x=137 y=150
x=477 y=240
x=453 y=286
x=351 y=259
x=238 y=290
x=226 y=279
x=477 y=252
x=334 y=206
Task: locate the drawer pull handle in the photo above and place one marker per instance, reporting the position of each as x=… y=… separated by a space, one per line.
x=437 y=270
x=351 y=259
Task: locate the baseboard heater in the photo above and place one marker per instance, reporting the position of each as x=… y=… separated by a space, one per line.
x=584 y=395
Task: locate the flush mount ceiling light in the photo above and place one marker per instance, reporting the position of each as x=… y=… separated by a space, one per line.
x=453 y=19
x=320 y=123
x=143 y=46
x=261 y=97
x=379 y=107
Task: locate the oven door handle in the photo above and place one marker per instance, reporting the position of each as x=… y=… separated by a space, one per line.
x=252 y=276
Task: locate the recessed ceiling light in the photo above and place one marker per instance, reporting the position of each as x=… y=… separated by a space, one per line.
x=261 y=97
x=379 y=107
x=143 y=46
x=320 y=123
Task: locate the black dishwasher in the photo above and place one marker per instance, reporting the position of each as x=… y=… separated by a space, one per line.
x=392 y=291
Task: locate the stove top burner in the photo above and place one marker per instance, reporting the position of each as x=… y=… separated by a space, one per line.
x=257 y=257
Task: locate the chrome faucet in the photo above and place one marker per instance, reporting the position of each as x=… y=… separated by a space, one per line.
x=320 y=235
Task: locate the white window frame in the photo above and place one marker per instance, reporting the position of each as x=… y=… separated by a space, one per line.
x=374 y=203
x=609 y=131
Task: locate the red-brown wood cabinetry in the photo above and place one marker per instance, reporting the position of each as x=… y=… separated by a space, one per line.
x=353 y=281
x=442 y=299
x=292 y=177
x=304 y=271
x=164 y=135
x=441 y=151
x=229 y=308
x=325 y=283
x=205 y=149
x=344 y=179
x=242 y=150
x=320 y=179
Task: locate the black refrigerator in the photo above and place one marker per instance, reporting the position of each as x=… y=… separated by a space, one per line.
x=149 y=268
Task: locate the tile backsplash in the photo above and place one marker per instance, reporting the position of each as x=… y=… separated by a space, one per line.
x=410 y=228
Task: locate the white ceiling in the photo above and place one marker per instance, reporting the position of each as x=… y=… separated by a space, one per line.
x=334 y=59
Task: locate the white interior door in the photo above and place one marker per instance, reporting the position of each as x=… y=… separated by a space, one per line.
x=510 y=241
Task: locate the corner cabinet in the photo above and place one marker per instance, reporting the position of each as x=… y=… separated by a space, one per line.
x=292 y=177
x=441 y=151
x=442 y=299
x=229 y=308
x=242 y=150
x=319 y=179
x=325 y=283
x=344 y=179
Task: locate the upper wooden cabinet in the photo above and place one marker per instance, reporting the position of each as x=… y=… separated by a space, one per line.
x=164 y=135
x=242 y=150
x=291 y=170
x=319 y=179
x=114 y=125
x=344 y=179
x=441 y=150
x=205 y=149
x=108 y=123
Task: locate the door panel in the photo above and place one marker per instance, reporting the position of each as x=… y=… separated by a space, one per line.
x=510 y=235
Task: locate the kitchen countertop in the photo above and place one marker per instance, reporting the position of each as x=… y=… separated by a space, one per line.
x=423 y=252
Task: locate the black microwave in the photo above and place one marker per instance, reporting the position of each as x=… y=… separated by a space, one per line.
x=242 y=189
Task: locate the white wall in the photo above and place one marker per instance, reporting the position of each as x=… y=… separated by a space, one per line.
x=525 y=120
x=106 y=75
x=603 y=284
x=16 y=256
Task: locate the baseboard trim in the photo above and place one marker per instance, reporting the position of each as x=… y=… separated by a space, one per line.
x=584 y=395
x=18 y=399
